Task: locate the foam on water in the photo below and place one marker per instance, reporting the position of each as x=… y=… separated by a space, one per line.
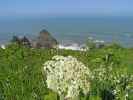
x=72 y=46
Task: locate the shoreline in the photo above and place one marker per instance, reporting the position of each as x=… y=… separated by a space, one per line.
x=72 y=46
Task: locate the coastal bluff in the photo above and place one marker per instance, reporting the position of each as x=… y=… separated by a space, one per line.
x=44 y=40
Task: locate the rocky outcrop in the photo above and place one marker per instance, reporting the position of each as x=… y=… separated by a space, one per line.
x=44 y=40
x=26 y=42
x=21 y=41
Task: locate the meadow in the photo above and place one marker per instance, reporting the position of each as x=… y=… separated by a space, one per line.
x=22 y=75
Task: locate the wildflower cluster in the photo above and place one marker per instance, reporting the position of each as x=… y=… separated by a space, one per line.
x=117 y=83
x=67 y=76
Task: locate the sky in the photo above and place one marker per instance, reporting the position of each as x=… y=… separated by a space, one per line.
x=65 y=7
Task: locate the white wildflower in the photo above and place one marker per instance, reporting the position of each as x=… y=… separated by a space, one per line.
x=114 y=92
x=67 y=76
x=3 y=47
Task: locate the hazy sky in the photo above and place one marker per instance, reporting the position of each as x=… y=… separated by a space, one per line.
x=65 y=7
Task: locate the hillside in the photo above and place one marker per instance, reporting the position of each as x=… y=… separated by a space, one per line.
x=22 y=76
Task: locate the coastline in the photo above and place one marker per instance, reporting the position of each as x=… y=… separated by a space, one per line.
x=72 y=46
x=67 y=45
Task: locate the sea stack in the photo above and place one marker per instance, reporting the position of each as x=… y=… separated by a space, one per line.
x=45 y=40
x=21 y=41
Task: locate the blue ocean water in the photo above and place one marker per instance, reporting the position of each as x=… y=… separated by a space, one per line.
x=71 y=29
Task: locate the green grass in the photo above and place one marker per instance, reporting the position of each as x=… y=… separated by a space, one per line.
x=21 y=69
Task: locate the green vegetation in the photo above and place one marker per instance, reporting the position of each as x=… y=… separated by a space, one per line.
x=22 y=76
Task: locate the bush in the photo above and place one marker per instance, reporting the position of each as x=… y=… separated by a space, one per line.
x=67 y=76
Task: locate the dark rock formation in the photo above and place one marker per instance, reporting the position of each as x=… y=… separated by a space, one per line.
x=21 y=41
x=26 y=42
x=45 y=40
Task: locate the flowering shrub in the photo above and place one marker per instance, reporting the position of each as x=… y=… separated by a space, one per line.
x=67 y=76
x=116 y=83
x=112 y=83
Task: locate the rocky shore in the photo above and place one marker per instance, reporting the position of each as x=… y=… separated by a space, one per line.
x=44 y=40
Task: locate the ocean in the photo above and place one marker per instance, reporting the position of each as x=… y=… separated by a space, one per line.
x=71 y=29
